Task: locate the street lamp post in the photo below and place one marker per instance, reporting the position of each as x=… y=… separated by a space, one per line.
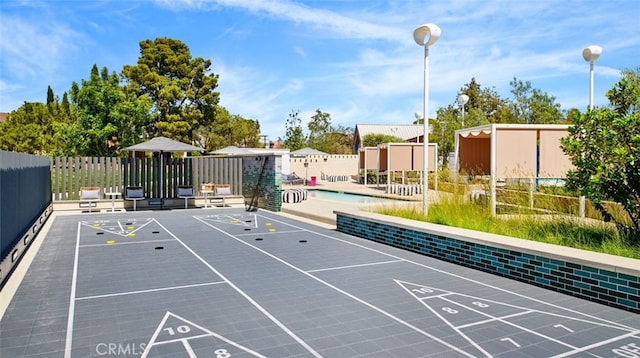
x=590 y=54
x=462 y=100
x=426 y=35
x=418 y=116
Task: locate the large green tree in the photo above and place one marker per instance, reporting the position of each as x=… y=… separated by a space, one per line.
x=532 y=106
x=604 y=147
x=109 y=118
x=483 y=107
x=38 y=128
x=372 y=140
x=294 y=138
x=181 y=88
x=229 y=130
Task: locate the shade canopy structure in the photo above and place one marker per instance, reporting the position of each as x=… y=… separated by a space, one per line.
x=232 y=150
x=161 y=145
x=396 y=157
x=512 y=151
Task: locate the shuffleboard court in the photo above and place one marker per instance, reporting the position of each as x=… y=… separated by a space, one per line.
x=230 y=283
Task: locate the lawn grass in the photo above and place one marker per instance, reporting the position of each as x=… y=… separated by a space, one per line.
x=564 y=231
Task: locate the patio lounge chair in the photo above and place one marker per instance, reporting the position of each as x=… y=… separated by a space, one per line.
x=89 y=195
x=292 y=179
x=223 y=190
x=134 y=193
x=185 y=192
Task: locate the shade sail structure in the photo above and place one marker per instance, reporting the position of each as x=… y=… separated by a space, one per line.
x=163 y=144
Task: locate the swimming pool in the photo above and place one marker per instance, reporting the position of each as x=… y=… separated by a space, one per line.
x=350 y=197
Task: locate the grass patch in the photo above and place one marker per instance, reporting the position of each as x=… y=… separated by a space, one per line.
x=564 y=231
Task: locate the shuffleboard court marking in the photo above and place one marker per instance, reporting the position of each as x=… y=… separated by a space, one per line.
x=72 y=297
x=114 y=243
x=566 y=309
x=241 y=292
x=269 y=232
x=175 y=329
x=245 y=220
x=149 y=290
x=630 y=348
x=100 y=226
x=519 y=311
x=353 y=266
x=450 y=307
x=131 y=226
x=337 y=289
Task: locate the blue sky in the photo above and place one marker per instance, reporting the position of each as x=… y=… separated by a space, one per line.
x=355 y=60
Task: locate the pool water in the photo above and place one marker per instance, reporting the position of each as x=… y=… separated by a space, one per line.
x=350 y=198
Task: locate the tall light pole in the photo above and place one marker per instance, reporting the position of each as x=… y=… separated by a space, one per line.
x=590 y=54
x=426 y=35
x=462 y=100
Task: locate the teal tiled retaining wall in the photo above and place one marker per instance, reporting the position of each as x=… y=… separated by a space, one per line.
x=607 y=287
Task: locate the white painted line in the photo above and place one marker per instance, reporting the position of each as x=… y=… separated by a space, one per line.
x=493 y=319
x=598 y=344
x=353 y=266
x=563 y=327
x=377 y=309
x=270 y=233
x=606 y=323
x=127 y=243
x=187 y=346
x=169 y=341
x=510 y=341
x=436 y=296
x=244 y=294
x=72 y=297
x=149 y=290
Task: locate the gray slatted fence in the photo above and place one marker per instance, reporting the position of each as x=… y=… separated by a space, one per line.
x=69 y=174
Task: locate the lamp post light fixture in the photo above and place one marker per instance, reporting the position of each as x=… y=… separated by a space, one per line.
x=426 y=35
x=462 y=100
x=418 y=116
x=591 y=54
